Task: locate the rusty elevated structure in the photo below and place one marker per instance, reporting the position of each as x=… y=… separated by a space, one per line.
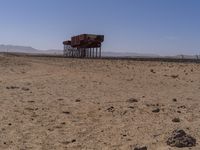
x=84 y=46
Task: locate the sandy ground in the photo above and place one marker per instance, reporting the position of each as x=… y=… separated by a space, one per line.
x=61 y=104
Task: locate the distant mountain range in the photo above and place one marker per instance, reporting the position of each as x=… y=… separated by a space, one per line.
x=28 y=49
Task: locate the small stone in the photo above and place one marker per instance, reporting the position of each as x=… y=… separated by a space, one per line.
x=60 y=99
x=66 y=112
x=140 y=148
x=77 y=100
x=174 y=100
x=176 y=120
x=152 y=71
x=111 y=109
x=73 y=140
x=25 y=89
x=183 y=107
x=156 y=110
x=31 y=101
x=12 y=87
x=132 y=100
x=131 y=107
x=174 y=76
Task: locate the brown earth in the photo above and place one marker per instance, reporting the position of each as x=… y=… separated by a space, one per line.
x=59 y=104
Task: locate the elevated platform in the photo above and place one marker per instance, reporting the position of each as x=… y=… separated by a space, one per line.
x=84 y=45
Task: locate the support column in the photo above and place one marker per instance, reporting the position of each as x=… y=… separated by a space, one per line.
x=96 y=52
x=86 y=52
x=90 y=53
x=100 y=52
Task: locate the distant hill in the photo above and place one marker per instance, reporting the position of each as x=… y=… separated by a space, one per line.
x=28 y=49
x=121 y=54
x=13 y=48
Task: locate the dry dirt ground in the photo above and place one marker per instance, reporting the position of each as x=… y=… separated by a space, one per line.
x=74 y=104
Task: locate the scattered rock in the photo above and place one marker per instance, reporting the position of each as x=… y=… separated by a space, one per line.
x=66 y=112
x=74 y=140
x=140 y=148
x=183 y=107
x=152 y=71
x=132 y=100
x=60 y=99
x=176 y=120
x=31 y=101
x=68 y=142
x=12 y=87
x=131 y=107
x=156 y=110
x=25 y=89
x=174 y=76
x=174 y=100
x=180 y=139
x=111 y=109
x=77 y=100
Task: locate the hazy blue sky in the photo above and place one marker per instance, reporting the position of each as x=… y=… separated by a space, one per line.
x=144 y=26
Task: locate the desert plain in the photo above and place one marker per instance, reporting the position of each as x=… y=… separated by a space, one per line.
x=51 y=103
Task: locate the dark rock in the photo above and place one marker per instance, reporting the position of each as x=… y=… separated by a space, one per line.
x=180 y=139
x=156 y=110
x=66 y=112
x=77 y=100
x=31 y=101
x=111 y=109
x=140 y=148
x=174 y=76
x=25 y=89
x=73 y=141
x=176 y=120
x=68 y=142
x=174 y=100
x=131 y=107
x=12 y=87
x=60 y=99
x=183 y=107
x=148 y=105
x=132 y=100
x=152 y=71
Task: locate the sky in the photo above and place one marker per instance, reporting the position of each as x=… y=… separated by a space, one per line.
x=164 y=27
